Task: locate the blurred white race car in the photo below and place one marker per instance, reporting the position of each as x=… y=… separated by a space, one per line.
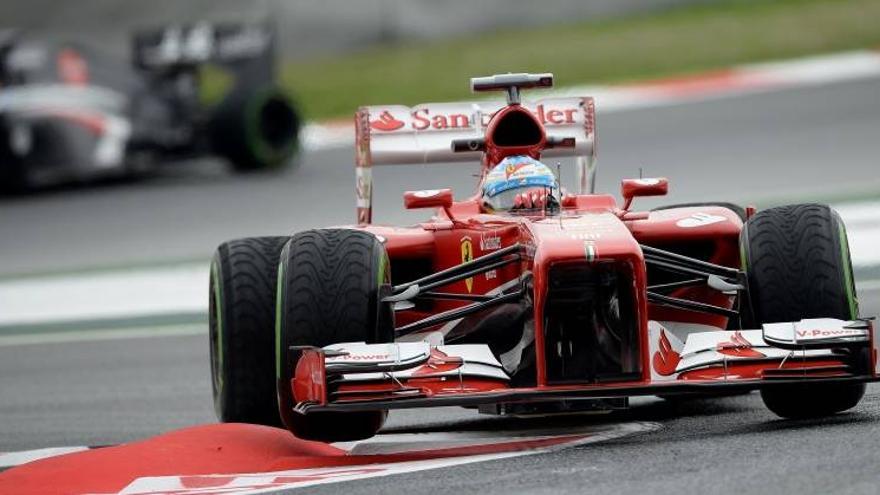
x=70 y=113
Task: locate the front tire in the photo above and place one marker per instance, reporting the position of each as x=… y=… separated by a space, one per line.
x=330 y=288
x=241 y=324
x=798 y=266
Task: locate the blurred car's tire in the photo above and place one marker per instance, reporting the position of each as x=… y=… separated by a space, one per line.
x=13 y=176
x=330 y=290
x=241 y=329
x=798 y=266
x=256 y=130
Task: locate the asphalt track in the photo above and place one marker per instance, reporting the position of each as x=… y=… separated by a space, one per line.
x=799 y=144
x=805 y=143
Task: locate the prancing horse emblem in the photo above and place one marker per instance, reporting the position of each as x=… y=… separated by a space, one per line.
x=467 y=254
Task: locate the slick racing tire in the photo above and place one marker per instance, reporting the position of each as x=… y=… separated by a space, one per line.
x=256 y=130
x=241 y=330
x=797 y=263
x=331 y=283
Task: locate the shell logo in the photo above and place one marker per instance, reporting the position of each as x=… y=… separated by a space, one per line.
x=386 y=122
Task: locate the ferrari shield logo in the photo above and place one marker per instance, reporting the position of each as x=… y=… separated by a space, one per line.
x=467 y=254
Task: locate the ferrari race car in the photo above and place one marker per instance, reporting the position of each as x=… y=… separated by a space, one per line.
x=551 y=309
x=70 y=113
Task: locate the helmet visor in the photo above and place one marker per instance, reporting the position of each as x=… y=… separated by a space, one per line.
x=506 y=200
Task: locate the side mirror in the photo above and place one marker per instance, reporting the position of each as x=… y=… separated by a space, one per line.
x=434 y=198
x=632 y=188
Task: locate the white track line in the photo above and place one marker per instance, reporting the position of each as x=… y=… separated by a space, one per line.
x=117 y=294
x=11 y=459
x=863 y=227
x=70 y=337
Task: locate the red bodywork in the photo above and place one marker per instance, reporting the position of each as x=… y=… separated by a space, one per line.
x=590 y=230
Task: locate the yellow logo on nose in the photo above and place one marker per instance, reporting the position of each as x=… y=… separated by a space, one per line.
x=467 y=254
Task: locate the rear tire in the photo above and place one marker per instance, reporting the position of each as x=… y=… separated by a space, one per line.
x=798 y=266
x=330 y=286
x=256 y=130
x=241 y=324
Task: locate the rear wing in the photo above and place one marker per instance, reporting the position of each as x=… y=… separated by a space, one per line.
x=398 y=135
x=183 y=45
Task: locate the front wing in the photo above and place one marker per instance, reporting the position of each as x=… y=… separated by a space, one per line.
x=361 y=377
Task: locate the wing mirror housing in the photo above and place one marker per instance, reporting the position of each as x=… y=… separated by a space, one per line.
x=632 y=188
x=432 y=198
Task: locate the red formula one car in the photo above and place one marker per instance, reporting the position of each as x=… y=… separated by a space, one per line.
x=563 y=306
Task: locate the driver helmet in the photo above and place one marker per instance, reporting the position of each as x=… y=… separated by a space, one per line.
x=516 y=175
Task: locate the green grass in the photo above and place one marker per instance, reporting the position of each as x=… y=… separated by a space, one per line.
x=674 y=42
